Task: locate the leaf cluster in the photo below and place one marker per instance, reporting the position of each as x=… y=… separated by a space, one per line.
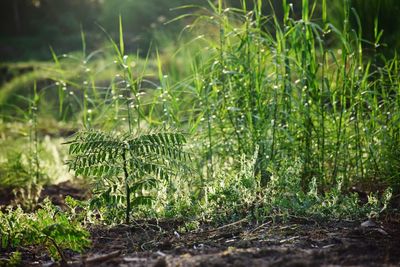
x=48 y=227
x=100 y=154
x=126 y=167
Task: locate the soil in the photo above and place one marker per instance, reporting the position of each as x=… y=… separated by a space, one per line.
x=299 y=242
x=57 y=193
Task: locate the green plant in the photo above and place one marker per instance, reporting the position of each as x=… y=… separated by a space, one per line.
x=274 y=85
x=14 y=260
x=58 y=232
x=233 y=192
x=278 y=85
x=14 y=173
x=189 y=226
x=282 y=198
x=48 y=227
x=125 y=166
x=24 y=170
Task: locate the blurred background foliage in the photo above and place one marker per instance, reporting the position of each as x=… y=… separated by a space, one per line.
x=29 y=27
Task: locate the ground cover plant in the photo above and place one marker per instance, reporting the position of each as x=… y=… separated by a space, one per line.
x=255 y=119
x=48 y=227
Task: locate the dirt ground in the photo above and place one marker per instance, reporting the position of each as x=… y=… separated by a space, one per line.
x=300 y=242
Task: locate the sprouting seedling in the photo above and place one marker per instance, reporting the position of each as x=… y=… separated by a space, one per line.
x=126 y=165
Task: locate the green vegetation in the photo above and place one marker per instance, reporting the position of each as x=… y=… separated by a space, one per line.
x=283 y=114
x=141 y=161
x=48 y=227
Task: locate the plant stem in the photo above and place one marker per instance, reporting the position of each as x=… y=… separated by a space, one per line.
x=35 y=133
x=60 y=252
x=209 y=130
x=127 y=189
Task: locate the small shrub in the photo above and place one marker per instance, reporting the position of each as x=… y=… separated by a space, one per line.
x=48 y=227
x=125 y=167
x=284 y=197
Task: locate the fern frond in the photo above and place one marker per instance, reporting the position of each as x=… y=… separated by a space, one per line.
x=125 y=165
x=94 y=142
x=143 y=200
x=144 y=184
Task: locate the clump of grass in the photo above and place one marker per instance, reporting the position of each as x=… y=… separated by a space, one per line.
x=280 y=86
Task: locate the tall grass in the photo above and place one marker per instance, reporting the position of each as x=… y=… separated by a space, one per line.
x=279 y=85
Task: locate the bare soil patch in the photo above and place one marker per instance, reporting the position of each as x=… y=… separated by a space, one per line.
x=298 y=243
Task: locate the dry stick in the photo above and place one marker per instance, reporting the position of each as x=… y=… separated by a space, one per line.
x=231 y=224
x=101 y=258
x=259 y=227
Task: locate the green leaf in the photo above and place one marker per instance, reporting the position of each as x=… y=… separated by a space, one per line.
x=121 y=37
x=143 y=200
x=145 y=184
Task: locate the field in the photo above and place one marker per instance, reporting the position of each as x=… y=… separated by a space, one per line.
x=258 y=135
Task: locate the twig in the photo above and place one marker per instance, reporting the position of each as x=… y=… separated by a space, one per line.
x=231 y=224
x=146 y=243
x=259 y=227
x=101 y=258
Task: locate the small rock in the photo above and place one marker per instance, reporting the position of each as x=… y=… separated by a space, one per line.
x=161 y=262
x=159 y=253
x=177 y=234
x=369 y=224
x=383 y=232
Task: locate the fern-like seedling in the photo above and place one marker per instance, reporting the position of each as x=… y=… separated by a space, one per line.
x=125 y=166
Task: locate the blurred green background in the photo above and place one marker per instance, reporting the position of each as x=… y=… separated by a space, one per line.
x=29 y=27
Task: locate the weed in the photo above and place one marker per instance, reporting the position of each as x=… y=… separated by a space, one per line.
x=279 y=86
x=14 y=260
x=48 y=227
